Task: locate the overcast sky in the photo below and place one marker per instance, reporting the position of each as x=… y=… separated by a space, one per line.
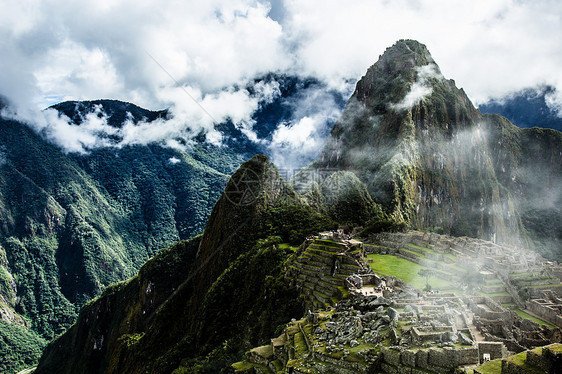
x=150 y=52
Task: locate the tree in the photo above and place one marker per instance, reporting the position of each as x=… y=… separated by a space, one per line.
x=426 y=273
x=473 y=279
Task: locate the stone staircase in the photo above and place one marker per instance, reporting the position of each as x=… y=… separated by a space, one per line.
x=319 y=271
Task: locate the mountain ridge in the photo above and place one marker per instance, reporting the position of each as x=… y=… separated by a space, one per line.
x=72 y=224
x=239 y=246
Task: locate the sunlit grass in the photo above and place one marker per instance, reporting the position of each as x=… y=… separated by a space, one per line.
x=388 y=265
x=522 y=314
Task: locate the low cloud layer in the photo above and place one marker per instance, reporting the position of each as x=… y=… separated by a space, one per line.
x=151 y=54
x=420 y=88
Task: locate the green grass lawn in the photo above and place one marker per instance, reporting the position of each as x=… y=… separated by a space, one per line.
x=491 y=367
x=522 y=314
x=406 y=270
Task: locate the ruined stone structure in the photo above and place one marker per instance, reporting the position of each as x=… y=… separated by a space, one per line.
x=546 y=360
x=399 y=330
x=321 y=266
x=548 y=307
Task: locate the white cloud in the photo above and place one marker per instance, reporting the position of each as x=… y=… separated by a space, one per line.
x=420 y=88
x=300 y=140
x=293 y=142
x=53 y=50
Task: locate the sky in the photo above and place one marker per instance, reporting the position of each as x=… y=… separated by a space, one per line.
x=194 y=56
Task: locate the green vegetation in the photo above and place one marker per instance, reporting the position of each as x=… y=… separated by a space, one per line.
x=73 y=224
x=388 y=265
x=382 y=222
x=235 y=297
x=520 y=360
x=522 y=314
x=491 y=367
x=20 y=347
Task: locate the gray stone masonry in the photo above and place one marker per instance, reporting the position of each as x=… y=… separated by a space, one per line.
x=494 y=349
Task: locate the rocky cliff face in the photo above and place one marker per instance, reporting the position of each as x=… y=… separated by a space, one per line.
x=434 y=161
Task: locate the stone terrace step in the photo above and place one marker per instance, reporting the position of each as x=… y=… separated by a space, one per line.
x=330 y=243
x=332 y=280
x=328 y=250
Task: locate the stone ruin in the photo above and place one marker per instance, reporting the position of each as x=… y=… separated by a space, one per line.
x=348 y=330
x=547 y=359
x=549 y=307
x=496 y=323
x=523 y=278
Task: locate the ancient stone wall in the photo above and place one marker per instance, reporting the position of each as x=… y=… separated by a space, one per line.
x=437 y=360
x=548 y=312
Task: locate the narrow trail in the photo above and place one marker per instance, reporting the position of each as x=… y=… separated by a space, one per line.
x=27 y=371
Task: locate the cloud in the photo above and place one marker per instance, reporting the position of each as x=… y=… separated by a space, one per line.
x=94 y=132
x=147 y=52
x=554 y=101
x=420 y=88
x=299 y=140
x=489 y=47
x=192 y=113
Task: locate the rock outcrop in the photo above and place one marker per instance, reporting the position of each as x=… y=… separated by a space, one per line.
x=225 y=286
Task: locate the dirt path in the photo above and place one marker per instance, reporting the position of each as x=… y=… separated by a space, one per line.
x=475 y=332
x=27 y=371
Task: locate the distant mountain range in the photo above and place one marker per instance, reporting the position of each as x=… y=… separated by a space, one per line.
x=527 y=108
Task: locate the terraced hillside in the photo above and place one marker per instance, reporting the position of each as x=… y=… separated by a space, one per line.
x=508 y=275
x=320 y=269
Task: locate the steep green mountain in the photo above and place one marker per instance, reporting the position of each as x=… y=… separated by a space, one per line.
x=72 y=224
x=216 y=294
x=433 y=161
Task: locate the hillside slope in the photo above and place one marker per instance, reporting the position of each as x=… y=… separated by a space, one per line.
x=72 y=224
x=233 y=295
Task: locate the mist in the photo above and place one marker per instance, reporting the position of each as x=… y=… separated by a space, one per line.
x=151 y=55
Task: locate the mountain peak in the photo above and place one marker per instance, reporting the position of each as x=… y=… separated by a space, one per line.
x=406 y=54
x=404 y=66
